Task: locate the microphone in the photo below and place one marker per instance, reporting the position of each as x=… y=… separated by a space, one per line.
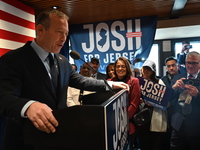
x=75 y=55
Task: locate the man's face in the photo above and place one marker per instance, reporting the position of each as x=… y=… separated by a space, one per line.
x=192 y=64
x=85 y=70
x=95 y=65
x=53 y=38
x=172 y=67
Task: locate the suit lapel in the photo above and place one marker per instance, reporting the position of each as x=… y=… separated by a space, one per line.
x=198 y=76
x=61 y=70
x=61 y=81
x=39 y=69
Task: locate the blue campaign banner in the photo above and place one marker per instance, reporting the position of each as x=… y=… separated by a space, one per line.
x=131 y=38
x=117 y=123
x=155 y=94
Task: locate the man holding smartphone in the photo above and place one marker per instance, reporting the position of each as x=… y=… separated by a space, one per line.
x=186 y=104
x=181 y=56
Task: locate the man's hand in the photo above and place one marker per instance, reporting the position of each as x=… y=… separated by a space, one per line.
x=184 y=49
x=42 y=118
x=120 y=85
x=192 y=90
x=179 y=84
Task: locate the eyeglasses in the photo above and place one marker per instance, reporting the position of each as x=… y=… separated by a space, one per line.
x=192 y=63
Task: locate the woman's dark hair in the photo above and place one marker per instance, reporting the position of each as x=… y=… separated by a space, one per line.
x=129 y=71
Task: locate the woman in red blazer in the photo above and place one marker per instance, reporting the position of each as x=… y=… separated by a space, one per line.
x=123 y=72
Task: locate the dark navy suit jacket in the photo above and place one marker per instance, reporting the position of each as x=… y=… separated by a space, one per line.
x=23 y=77
x=190 y=122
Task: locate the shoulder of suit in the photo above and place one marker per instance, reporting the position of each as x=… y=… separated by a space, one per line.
x=61 y=57
x=19 y=52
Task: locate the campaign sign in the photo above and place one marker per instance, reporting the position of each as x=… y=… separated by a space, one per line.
x=108 y=40
x=117 y=123
x=155 y=94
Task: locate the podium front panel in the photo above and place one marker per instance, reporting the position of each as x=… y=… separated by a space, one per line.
x=116 y=122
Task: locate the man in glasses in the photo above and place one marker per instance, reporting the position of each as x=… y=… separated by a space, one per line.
x=186 y=104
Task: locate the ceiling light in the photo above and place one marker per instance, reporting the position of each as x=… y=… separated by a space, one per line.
x=55 y=7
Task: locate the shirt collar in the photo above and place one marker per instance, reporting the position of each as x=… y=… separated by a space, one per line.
x=40 y=51
x=194 y=75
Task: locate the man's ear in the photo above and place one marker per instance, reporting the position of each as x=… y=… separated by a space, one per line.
x=40 y=29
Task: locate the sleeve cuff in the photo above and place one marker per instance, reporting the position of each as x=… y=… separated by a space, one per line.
x=25 y=108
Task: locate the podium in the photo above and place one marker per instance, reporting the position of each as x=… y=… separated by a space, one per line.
x=98 y=124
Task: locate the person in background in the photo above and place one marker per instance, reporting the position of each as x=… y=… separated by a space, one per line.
x=74 y=67
x=28 y=91
x=172 y=70
x=152 y=135
x=123 y=72
x=110 y=71
x=74 y=93
x=136 y=72
x=186 y=105
x=95 y=65
x=182 y=55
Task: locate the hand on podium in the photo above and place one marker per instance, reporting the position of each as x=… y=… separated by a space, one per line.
x=120 y=85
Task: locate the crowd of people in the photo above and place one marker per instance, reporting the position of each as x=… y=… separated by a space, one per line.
x=34 y=81
x=172 y=128
x=28 y=93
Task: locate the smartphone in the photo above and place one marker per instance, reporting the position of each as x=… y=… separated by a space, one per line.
x=194 y=82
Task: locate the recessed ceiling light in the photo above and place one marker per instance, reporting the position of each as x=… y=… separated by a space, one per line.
x=55 y=7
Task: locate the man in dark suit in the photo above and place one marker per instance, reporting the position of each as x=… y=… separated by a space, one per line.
x=28 y=93
x=172 y=70
x=186 y=117
x=95 y=65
